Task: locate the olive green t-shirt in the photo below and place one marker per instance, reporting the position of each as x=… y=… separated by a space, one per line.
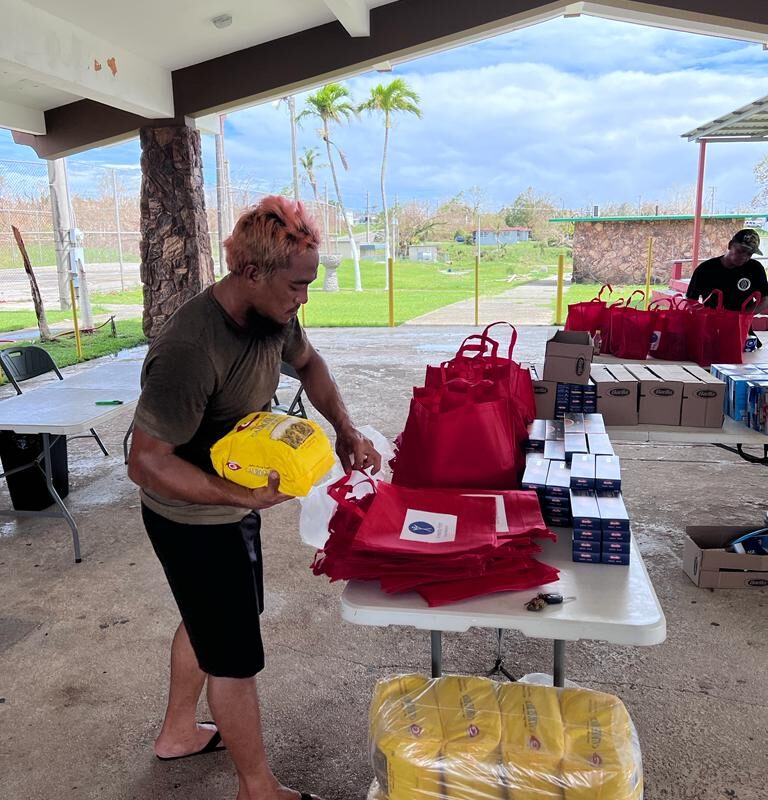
x=202 y=375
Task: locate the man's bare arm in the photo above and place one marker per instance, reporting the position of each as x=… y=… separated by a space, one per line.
x=153 y=466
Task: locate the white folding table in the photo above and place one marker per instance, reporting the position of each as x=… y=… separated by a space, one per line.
x=68 y=408
x=603 y=602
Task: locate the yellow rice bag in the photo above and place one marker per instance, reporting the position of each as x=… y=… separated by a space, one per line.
x=472 y=731
x=261 y=442
x=601 y=756
x=406 y=739
x=531 y=741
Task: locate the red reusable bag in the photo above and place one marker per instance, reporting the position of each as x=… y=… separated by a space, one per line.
x=589 y=316
x=470 y=438
x=669 y=337
x=478 y=359
x=423 y=522
x=717 y=335
x=629 y=329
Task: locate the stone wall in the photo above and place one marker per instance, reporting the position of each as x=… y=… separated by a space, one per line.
x=617 y=252
x=176 y=260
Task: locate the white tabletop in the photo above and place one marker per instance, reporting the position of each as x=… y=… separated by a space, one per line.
x=604 y=602
x=69 y=406
x=731 y=433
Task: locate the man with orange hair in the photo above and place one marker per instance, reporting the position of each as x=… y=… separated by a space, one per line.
x=217 y=359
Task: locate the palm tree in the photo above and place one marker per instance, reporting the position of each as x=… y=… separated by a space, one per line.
x=331 y=104
x=394 y=98
x=309 y=165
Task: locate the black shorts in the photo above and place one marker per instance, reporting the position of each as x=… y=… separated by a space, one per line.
x=215 y=574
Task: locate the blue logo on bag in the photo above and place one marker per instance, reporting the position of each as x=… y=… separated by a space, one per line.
x=422 y=528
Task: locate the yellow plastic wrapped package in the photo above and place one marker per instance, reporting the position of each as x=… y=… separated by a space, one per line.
x=469 y=712
x=406 y=738
x=466 y=738
x=296 y=448
x=531 y=741
x=600 y=759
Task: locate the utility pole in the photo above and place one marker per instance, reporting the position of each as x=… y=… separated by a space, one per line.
x=221 y=214
x=712 y=204
x=117 y=228
x=62 y=222
x=367 y=217
x=294 y=161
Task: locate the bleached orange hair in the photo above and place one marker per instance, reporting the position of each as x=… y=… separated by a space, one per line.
x=269 y=233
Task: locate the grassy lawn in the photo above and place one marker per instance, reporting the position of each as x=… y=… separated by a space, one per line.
x=131 y=297
x=18 y=320
x=420 y=287
x=44 y=255
x=95 y=345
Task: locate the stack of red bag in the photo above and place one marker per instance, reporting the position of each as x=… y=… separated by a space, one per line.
x=447 y=545
x=467 y=425
x=451 y=525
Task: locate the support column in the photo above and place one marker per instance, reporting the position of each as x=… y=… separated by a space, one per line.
x=176 y=262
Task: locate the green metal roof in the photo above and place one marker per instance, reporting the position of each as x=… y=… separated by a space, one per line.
x=660 y=217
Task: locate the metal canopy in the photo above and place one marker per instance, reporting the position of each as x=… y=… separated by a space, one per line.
x=746 y=124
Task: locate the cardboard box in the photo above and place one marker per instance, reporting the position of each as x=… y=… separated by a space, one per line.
x=543 y=393
x=555 y=430
x=617 y=394
x=703 y=398
x=573 y=422
x=557 y=503
x=660 y=399
x=585 y=546
x=613 y=513
x=583 y=472
x=607 y=474
x=708 y=565
x=587 y=558
x=617 y=535
x=575 y=443
x=585 y=511
x=555 y=521
x=537 y=434
x=558 y=479
x=554 y=451
x=610 y=546
x=568 y=357
x=535 y=475
x=588 y=534
x=600 y=444
x=619 y=559
x=594 y=423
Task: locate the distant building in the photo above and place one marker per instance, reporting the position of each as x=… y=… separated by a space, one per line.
x=499 y=236
x=371 y=251
x=422 y=252
x=615 y=249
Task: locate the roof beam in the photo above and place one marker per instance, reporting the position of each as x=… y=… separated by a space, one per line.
x=49 y=50
x=21 y=118
x=353 y=15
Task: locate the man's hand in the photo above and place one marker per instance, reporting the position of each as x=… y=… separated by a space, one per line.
x=269 y=495
x=355 y=451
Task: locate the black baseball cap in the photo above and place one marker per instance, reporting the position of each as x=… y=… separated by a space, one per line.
x=748 y=239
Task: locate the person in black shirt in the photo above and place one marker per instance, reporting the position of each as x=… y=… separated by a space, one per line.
x=736 y=274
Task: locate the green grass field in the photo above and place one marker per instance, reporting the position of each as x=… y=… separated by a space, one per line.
x=43 y=255
x=18 y=320
x=419 y=287
x=95 y=345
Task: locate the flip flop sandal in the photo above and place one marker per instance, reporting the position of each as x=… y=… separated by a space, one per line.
x=211 y=747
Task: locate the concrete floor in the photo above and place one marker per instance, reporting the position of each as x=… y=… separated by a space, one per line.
x=83 y=648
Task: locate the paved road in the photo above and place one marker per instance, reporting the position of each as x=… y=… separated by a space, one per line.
x=15 y=292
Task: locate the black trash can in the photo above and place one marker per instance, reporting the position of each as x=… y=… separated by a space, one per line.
x=27 y=488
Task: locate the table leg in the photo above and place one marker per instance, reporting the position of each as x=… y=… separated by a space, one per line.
x=558 y=673
x=55 y=495
x=437 y=653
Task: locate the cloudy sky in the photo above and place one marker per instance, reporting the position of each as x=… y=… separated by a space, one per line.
x=586 y=110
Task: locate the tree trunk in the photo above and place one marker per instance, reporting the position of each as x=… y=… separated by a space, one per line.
x=42 y=322
x=176 y=262
x=387 y=250
x=353 y=246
